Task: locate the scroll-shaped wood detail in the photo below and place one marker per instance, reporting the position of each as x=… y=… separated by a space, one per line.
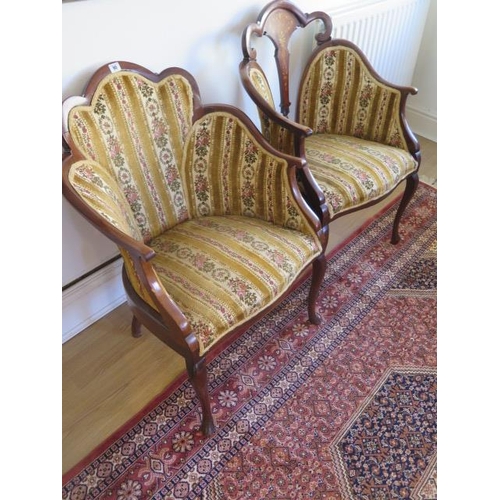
x=278 y=21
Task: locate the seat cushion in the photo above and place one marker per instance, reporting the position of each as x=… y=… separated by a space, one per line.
x=352 y=172
x=222 y=271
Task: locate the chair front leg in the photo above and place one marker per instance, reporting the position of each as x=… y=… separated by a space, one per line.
x=411 y=187
x=198 y=377
x=319 y=268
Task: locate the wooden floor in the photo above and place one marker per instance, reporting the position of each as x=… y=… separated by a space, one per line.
x=108 y=376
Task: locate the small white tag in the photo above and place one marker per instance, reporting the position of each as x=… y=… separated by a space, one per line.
x=114 y=67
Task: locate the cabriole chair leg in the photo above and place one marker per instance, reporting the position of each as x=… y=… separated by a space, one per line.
x=411 y=186
x=199 y=379
x=319 y=268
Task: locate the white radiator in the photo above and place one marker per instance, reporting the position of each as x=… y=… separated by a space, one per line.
x=389 y=32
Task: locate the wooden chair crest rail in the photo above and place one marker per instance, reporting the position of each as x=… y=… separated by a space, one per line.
x=350 y=124
x=208 y=217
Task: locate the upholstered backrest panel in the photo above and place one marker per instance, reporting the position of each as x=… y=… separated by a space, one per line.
x=136 y=130
x=261 y=85
x=339 y=96
x=278 y=136
x=227 y=171
x=98 y=187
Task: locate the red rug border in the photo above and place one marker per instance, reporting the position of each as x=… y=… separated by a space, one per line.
x=98 y=450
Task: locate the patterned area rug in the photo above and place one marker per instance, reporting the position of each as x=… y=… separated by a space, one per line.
x=344 y=410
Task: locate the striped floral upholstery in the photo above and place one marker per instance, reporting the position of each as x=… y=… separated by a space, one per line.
x=357 y=152
x=227 y=172
x=352 y=171
x=221 y=270
x=340 y=96
x=215 y=206
x=137 y=128
x=99 y=187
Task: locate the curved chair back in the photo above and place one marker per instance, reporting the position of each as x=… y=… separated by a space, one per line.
x=135 y=124
x=208 y=217
x=278 y=21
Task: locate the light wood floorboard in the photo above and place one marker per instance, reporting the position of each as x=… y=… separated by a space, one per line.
x=108 y=376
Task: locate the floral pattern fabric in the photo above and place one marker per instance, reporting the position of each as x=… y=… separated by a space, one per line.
x=216 y=207
x=226 y=172
x=221 y=271
x=352 y=171
x=136 y=129
x=99 y=189
x=278 y=136
x=357 y=152
x=339 y=95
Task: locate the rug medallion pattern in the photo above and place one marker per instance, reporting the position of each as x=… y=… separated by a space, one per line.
x=390 y=439
x=344 y=410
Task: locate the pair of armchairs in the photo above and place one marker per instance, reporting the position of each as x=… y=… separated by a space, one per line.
x=214 y=222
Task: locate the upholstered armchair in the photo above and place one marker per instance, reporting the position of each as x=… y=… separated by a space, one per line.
x=349 y=124
x=208 y=217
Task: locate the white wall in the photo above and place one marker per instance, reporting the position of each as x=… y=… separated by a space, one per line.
x=201 y=37
x=422 y=108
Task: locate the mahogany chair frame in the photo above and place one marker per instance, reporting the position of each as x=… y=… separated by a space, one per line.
x=278 y=20
x=169 y=323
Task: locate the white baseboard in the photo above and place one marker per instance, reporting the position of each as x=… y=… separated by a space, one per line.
x=422 y=123
x=91 y=299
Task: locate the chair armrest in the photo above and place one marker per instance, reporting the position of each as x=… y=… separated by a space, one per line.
x=145 y=282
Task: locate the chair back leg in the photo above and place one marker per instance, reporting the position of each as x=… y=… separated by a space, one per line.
x=136 y=328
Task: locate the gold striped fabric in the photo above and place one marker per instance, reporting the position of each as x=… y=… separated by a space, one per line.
x=222 y=271
x=99 y=188
x=259 y=81
x=352 y=171
x=137 y=128
x=215 y=206
x=339 y=96
x=226 y=171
